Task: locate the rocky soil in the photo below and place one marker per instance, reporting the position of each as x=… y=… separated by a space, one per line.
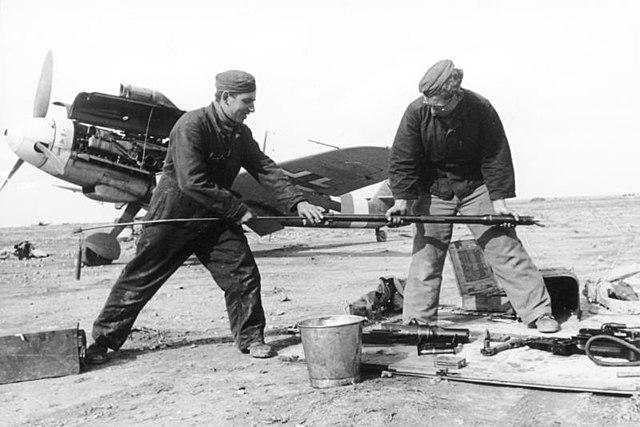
x=179 y=367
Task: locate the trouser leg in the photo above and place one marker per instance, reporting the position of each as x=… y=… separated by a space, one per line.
x=160 y=251
x=234 y=269
x=512 y=266
x=430 y=243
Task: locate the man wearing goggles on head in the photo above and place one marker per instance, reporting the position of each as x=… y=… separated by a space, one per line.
x=451 y=155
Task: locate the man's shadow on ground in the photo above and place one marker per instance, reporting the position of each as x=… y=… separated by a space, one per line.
x=121 y=357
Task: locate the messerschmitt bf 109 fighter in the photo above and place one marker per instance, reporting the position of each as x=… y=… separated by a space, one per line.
x=111 y=148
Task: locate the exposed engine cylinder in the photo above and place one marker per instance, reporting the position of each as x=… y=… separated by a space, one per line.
x=108 y=142
x=119 y=149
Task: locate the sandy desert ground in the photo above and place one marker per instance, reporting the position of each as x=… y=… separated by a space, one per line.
x=179 y=367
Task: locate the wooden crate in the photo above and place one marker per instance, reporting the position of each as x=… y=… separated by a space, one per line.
x=490 y=303
x=38 y=355
x=480 y=291
x=473 y=275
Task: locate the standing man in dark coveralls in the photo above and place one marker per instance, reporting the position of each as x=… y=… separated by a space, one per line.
x=207 y=147
x=451 y=155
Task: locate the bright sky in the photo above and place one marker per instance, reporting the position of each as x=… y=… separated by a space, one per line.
x=562 y=74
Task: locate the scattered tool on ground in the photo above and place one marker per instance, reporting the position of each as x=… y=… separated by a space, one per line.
x=488 y=350
x=428 y=339
x=613 y=340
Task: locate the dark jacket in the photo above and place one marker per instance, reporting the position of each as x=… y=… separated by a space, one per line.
x=201 y=164
x=447 y=156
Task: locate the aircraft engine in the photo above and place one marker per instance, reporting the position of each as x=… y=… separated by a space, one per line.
x=119 y=149
x=111 y=146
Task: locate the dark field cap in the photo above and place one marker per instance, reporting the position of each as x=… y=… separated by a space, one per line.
x=435 y=77
x=235 y=81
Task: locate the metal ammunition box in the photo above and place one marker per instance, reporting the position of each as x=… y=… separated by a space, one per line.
x=47 y=354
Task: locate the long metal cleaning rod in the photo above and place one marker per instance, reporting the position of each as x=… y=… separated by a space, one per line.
x=332 y=218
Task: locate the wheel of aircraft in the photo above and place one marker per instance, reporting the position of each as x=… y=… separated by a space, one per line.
x=100 y=249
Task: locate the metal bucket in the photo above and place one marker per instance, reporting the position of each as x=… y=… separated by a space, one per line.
x=333 y=349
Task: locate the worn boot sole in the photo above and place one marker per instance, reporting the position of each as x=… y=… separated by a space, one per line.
x=261 y=351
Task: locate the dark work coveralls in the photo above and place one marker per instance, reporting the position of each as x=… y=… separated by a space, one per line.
x=203 y=159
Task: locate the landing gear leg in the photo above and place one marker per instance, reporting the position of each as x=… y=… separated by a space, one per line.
x=128 y=215
x=381 y=235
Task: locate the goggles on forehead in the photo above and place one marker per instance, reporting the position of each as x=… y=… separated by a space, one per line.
x=438 y=101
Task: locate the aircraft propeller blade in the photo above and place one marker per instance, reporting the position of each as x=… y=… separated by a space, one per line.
x=15 y=168
x=55 y=160
x=43 y=94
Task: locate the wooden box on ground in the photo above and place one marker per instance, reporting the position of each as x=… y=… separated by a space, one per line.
x=480 y=291
x=38 y=355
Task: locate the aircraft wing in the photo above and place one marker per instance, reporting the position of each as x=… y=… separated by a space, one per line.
x=320 y=177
